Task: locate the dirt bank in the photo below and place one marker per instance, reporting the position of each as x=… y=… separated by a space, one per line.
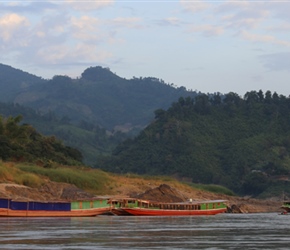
x=163 y=192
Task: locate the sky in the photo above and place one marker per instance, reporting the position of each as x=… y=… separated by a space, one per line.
x=207 y=46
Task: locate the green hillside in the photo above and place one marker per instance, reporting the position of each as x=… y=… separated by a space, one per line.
x=21 y=142
x=88 y=138
x=240 y=143
x=92 y=113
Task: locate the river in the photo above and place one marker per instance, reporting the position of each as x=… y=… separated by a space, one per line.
x=223 y=231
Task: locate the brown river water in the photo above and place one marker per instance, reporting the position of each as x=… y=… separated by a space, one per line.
x=223 y=231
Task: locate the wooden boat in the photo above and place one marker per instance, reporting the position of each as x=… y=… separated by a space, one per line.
x=148 y=208
x=85 y=208
x=117 y=205
x=286 y=207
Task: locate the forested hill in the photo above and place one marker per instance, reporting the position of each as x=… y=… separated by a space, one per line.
x=21 y=142
x=98 y=96
x=241 y=143
x=93 y=112
x=15 y=81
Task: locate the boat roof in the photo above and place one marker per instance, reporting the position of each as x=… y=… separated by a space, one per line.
x=160 y=202
x=185 y=202
x=195 y=202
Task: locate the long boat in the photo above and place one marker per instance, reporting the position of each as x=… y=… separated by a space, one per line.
x=84 y=208
x=147 y=208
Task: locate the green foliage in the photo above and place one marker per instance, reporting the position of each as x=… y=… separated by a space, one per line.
x=24 y=143
x=239 y=143
x=219 y=139
x=213 y=189
x=8 y=172
x=5 y=172
x=278 y=189
x=83 y=178
x=28 y=179
x=90 y=139
x=99 y=98
x=255 y=183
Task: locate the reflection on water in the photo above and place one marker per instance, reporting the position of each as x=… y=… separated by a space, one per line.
x=224 y=231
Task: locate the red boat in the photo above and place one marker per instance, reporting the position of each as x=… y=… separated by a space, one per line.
x=148 y=208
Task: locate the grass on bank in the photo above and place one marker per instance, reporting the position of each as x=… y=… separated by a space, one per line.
x=34 y=176
x=92 y=180
x=213 y=188
x=10 y=173
x=86 y=179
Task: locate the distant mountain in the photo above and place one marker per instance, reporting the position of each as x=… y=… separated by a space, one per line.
x=98 y=96
x=14 y=81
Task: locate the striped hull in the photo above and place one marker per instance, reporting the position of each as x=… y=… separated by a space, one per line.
x=168 y=212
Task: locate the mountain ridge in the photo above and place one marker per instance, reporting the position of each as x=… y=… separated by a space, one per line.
x=98 y=96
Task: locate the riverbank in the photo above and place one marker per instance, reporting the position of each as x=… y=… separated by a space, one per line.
x=165 y=192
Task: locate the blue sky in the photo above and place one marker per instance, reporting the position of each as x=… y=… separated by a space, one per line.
x=208 y=46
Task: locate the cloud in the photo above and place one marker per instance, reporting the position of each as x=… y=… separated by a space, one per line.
x=257 y=78
x=276 y=61
x=66 y=54
x=87 y=28
x=34 y=7
x=207 y=29
x=263 y=38
x=56 y=34
x=279 y=27
x=11 y=26
x=194 y=6
x=85 y=5
x=170 y=21
x=126 y=22
x=279 y=9
x=243 y=15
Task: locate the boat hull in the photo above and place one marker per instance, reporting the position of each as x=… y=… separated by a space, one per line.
x=120 y=212
x=167 y=212
x=286 y=208
x=4 y=212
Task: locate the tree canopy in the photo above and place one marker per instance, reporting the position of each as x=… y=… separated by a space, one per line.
x=242 y=143
x=21 y=142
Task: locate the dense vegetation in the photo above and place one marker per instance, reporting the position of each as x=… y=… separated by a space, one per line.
x=92 y=113
x=241 y=143
x=24 y=143
x=88 y=138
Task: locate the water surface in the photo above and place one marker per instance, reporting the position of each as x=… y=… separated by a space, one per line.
x=223 y=231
